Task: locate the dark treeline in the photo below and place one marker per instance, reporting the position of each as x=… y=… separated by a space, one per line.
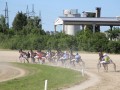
x=27 y=33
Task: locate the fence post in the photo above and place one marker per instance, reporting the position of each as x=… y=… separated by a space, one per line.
x=82 y=72
x=45 y=84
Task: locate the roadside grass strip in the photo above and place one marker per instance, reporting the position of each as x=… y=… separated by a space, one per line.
x=36 y=75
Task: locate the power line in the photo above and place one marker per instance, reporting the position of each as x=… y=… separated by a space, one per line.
x=32 y=14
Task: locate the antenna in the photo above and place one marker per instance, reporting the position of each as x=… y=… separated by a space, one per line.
x=6 y=15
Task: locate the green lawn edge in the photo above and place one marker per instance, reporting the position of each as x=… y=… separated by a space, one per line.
x=36 y=74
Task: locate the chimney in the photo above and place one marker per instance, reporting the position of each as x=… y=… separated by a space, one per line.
x=98 y=12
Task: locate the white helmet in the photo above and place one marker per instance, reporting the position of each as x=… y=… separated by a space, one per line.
x=65 y=52
x=105 y=54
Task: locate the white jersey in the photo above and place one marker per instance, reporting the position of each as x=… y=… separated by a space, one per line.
x=77 y=57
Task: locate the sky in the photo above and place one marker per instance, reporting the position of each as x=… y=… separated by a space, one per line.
x=52 y=9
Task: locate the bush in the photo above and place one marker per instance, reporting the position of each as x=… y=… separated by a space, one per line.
x=113 y=47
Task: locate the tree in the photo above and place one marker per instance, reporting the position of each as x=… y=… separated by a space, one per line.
x=33 y=26
x=37 y=23
x=3 y=26
x=113 y=47
x=98 y=41
x=113 y=34
x=20 y=21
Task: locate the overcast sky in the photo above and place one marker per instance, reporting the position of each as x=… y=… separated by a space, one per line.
x=51 y=9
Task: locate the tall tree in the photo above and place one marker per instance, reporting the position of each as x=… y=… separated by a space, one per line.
x=114 y=34
x=33 y=26
x=20 y=21
x=3 y=26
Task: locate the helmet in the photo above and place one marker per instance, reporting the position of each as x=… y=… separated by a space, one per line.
x=105 y=54
x=76 y=53
x=65 y=52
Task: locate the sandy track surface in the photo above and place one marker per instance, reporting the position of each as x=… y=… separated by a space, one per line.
x=98 y=80
x=7 y=71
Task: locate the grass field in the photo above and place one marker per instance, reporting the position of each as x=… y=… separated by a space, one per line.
x=37 y=74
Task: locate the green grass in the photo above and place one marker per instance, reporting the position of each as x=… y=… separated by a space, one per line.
x=37 y=74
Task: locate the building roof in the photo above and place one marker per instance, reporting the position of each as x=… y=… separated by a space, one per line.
x=105 y=21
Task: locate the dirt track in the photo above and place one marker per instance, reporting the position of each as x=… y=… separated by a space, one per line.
x=7 y=71
x=98 y=81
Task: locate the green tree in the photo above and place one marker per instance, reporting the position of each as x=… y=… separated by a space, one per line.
x=37 y=22
x=114 y=34
x=98 y=41
x=19 y=21
x=33 y=26
x=3 y=27
x=113 y=47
